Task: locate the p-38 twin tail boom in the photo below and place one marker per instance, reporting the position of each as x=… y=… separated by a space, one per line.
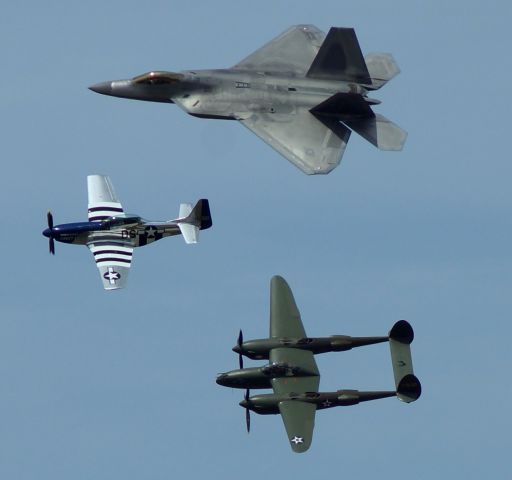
x=303 y=93
x=293 y=374
x=111 y=235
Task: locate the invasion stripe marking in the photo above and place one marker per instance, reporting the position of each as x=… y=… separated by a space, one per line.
x=100 y=217
x=114 y=252
x=111 y=246
x=111 y=259
x=106 y=209
x=108 y=242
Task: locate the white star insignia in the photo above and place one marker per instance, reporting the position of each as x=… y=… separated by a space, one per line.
x=150 y=232
x=111 y=276
x=296 y=440
x=327 y=403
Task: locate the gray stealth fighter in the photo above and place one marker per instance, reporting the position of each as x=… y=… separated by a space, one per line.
x=302 y=93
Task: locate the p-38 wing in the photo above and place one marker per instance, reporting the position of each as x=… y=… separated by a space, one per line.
x=298 y=417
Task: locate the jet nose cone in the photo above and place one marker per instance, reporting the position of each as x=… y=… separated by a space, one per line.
x=47 y=232
x=105 y=88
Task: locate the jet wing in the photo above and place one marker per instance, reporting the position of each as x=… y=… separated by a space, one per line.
x=315 y=144
x=292 y=52
x=113 y=259
x=102 y=199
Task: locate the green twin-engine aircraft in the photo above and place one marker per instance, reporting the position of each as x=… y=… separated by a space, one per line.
x=293 y=374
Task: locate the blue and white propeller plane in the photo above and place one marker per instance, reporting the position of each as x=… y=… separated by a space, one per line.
x=111 y=234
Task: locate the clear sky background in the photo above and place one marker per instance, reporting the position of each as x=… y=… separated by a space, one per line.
x=99 y=385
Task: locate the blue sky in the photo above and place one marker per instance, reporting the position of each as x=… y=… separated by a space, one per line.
x=121 y=385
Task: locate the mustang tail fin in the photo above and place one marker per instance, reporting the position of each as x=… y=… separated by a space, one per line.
x=191 y=220
x=382 y=68
x=408 y=387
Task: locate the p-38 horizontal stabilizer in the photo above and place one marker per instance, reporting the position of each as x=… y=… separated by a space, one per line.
x=408 y=387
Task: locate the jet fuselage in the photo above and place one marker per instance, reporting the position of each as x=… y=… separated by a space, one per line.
x=231 y=94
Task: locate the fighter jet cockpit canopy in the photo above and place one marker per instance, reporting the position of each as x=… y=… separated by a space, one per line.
x=120 y=220
x=158 y=78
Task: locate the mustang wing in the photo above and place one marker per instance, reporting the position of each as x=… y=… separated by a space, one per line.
x=113 y=259
x=103 y=201
x=314 y=144
x=293 y=51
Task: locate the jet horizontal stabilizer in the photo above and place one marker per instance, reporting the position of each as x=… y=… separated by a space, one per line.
x=379 y=131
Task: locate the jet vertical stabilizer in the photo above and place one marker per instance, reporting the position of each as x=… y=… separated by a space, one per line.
x=340 y=58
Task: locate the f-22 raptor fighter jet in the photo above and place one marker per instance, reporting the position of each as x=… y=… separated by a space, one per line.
x=302 y=93
x=111 y=235
x=293 y=374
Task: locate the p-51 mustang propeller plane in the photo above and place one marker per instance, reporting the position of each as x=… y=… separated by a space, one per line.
x=293 y=374
x=302 y=93
x=111 y=235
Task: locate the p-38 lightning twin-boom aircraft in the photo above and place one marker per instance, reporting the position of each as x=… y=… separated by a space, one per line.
x=302 y=93
x=111 y=235
x=293 y=374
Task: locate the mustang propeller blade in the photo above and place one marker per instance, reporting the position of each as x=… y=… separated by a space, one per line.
x=50 y=226
x=239 y=343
